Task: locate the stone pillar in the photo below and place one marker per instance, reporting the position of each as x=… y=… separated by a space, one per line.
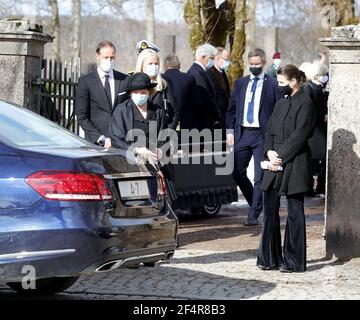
x=343 y=172
x=21 y=53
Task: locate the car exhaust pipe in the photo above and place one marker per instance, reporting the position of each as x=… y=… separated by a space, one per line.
x=108 y=266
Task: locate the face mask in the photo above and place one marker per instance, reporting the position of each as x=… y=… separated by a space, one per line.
x=277 y=63
x=106 y=65
x=139 y=99
x=210 y=64
x=255 y=70
x=152 y=70
x=226 y=65
x=323 y=79
x=285 y=90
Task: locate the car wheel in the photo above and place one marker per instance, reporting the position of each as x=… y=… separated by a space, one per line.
x=211 y=210
x=45 y=286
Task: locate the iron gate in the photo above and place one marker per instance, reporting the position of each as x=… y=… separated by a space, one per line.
x=56 y=93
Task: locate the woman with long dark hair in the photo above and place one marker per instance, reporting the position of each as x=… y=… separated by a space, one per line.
x=288 y=174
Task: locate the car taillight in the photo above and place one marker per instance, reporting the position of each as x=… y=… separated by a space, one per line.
x=161 y=184
x=69 y=186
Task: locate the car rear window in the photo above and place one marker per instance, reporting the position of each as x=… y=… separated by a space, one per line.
x=23 y=128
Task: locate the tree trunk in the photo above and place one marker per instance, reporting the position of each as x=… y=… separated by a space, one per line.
x=216 y=26
x=250 y=28
x=150 y=20
x=76 y=35
x=344 y=11
x=55 y=26
x=237 y=64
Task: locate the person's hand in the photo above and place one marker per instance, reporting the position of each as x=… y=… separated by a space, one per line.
x=230 y=140
x=274 y=157
x=273 y=167
x=107 y=144
x=145 y=154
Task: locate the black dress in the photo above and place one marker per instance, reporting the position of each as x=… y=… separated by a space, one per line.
x=288 y=131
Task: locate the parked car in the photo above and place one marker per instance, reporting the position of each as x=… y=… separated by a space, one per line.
x=70 y=208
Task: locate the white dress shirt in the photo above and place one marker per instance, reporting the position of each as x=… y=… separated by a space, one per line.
x=257 y=98
x=102 y=74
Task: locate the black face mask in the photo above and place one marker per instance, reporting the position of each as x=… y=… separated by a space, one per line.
x=255 y=70
x=285 y=90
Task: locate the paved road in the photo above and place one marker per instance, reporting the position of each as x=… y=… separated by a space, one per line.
x=216 y=260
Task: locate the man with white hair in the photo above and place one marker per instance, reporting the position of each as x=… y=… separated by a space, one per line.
x=204 y=60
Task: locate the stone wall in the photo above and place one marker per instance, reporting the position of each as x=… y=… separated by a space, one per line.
x=343 y=173
x=21 y=52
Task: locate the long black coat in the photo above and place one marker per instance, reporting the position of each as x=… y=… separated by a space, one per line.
x=122 y=121
x=92 y=108
x=317 y=141
x=206 y=88
x=186 y=96
x=172 y=112
x=222 y=92
x=288 y=131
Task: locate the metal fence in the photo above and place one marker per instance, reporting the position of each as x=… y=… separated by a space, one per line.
x=56 y=93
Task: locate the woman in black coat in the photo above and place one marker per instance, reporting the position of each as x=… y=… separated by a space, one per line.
x=137 y=113
x=286 y=146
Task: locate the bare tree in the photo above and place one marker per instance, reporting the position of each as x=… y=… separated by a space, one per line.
x=76 y=34
x=55 y=26
x=250 y=28
x=150 y=20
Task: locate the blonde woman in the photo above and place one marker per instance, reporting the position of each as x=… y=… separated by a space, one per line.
x=149 y=62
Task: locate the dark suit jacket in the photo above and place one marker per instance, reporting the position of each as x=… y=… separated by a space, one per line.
x=269 y=95
x=92 y=108
x=122 y=121
x=222 y=92
x=206 y=88
x=158 y=100
x=186 y=96
x=288 y=131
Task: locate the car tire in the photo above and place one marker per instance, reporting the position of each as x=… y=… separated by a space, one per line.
x=211 y=211
x=45 y=286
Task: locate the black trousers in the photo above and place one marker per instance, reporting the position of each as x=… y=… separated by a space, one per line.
x=294 y=252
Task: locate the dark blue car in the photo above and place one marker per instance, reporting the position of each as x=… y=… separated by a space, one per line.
x=70 y=208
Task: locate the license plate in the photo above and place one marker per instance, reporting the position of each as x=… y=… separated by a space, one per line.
x=134 y=189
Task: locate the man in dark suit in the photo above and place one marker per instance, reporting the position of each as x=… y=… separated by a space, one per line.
x=251 y=106
x=222 y=87
x=204 y=60
x=98 y=92
x=185 y=92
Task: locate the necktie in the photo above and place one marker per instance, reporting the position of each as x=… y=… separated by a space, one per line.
x=107 y=89
x=250 y=113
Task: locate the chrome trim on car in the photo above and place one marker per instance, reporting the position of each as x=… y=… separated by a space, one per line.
x=114 y=264
x=128 y=175
x=35 y=254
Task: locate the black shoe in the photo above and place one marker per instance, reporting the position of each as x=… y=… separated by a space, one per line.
x=267 y=268
x=286 y=269
x=248 y=223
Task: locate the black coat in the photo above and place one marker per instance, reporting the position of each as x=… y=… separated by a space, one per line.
x=172 y=113
x=186 y=96
x=206 y=88
x=92 y=108
x=222 y=92
x=122 y=121
x=318 y=140
x=288 y=131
